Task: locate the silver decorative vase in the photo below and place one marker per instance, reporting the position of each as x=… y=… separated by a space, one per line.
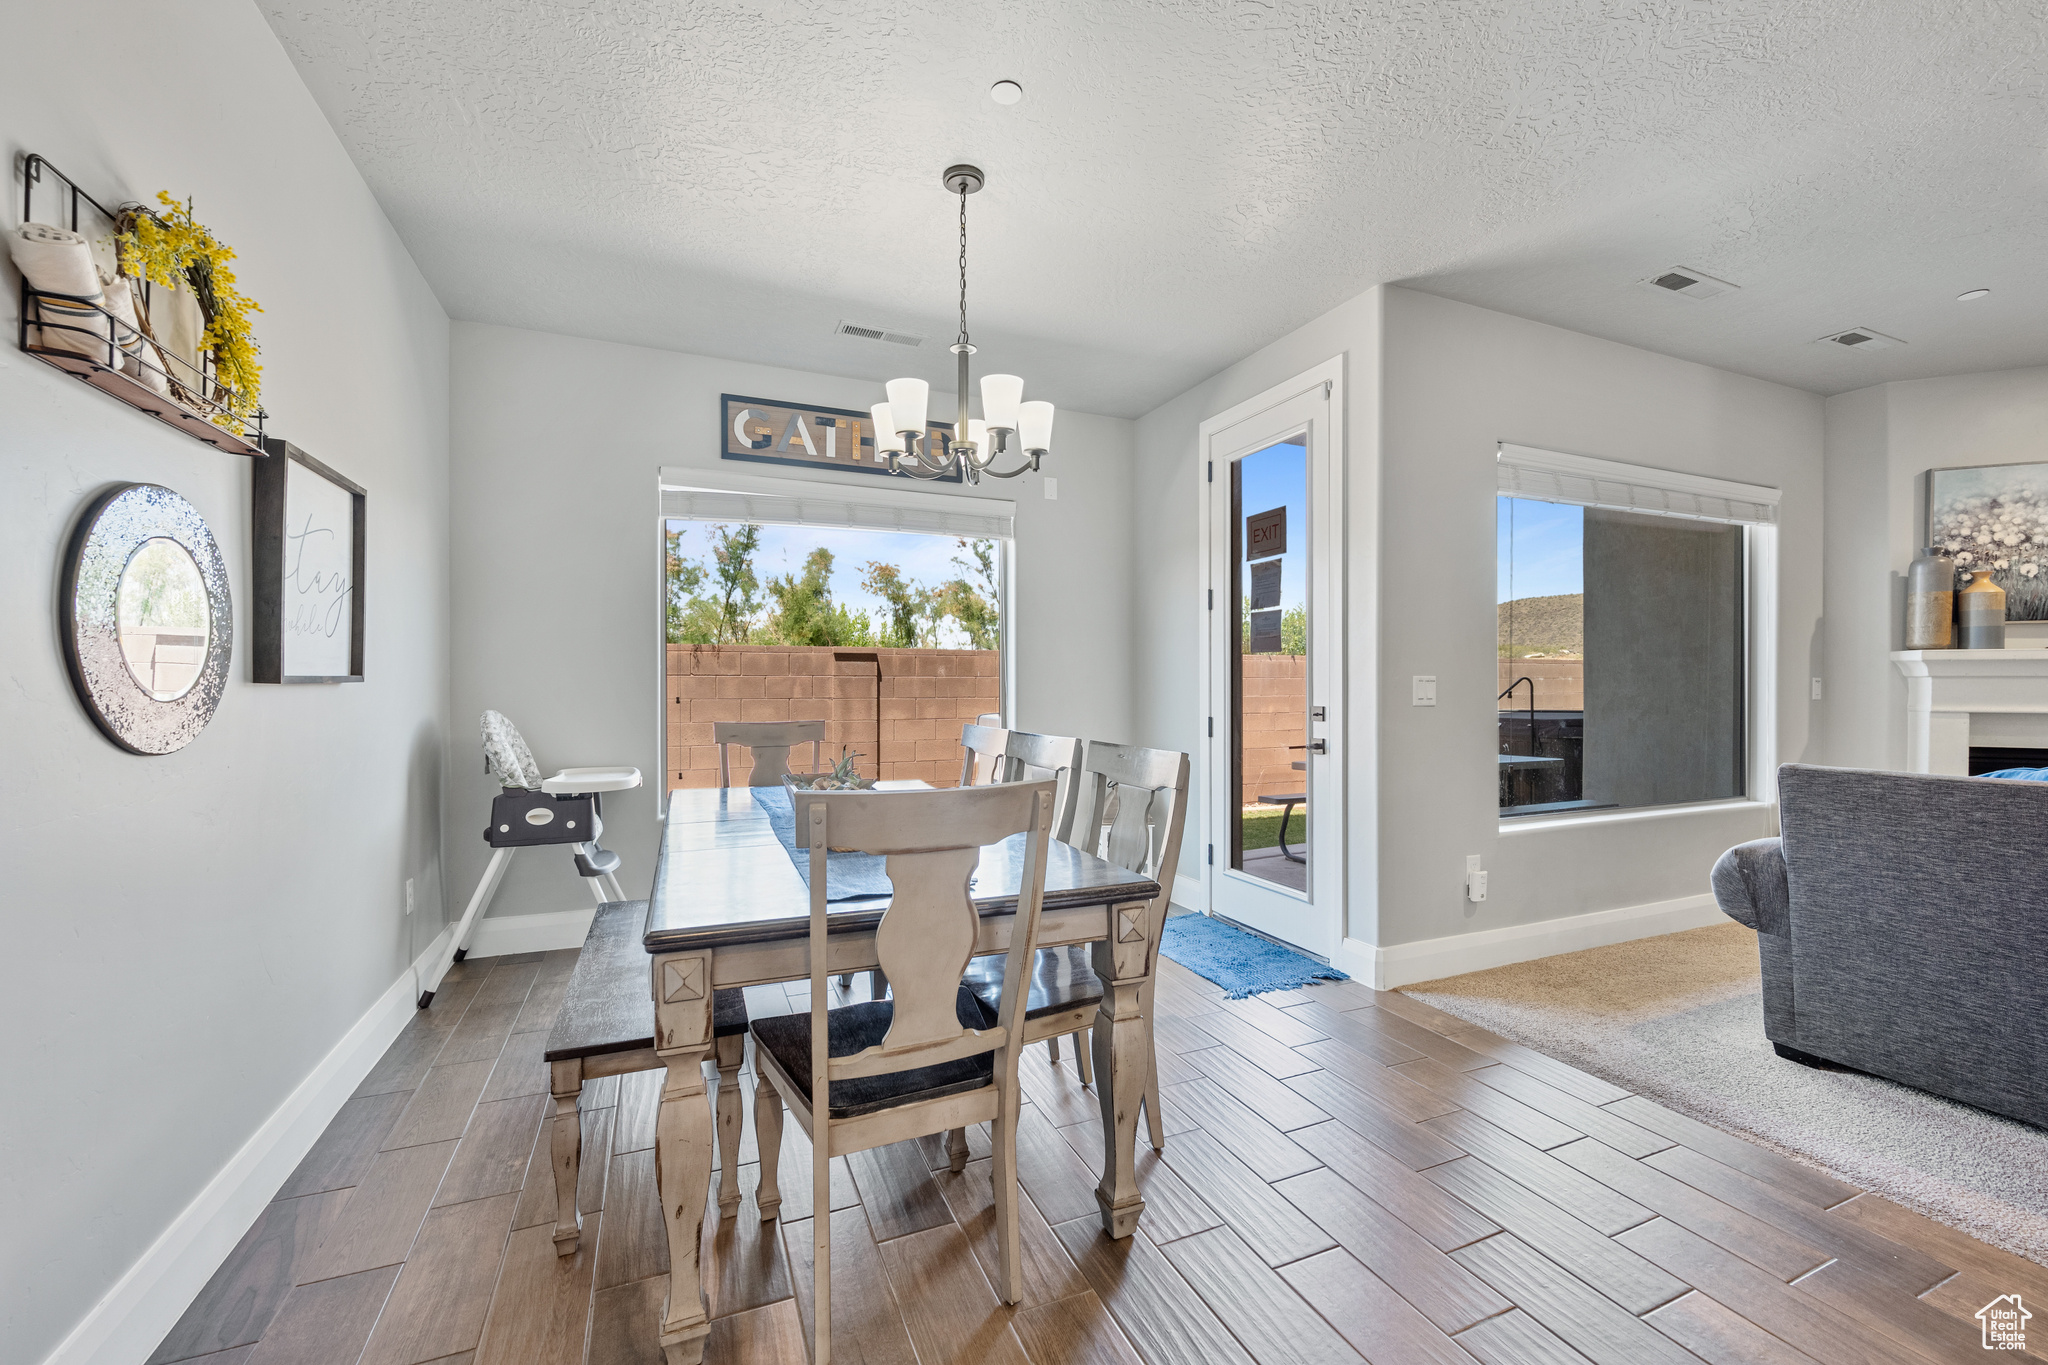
x=1931 y=601
x=1980 y=612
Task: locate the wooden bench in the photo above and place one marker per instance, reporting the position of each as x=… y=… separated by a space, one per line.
x=606 y=1028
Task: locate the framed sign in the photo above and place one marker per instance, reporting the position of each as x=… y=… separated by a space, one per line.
x=1265 y=534
x=308 y=572
x=766 y=431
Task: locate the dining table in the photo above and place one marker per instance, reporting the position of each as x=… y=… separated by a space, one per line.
x=730 y=907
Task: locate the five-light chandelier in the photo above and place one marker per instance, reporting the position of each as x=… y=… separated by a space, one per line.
x=976 y=442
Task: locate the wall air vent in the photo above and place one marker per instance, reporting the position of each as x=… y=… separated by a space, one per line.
x=1862 y=339
x=1693 y=284
x=866 y=333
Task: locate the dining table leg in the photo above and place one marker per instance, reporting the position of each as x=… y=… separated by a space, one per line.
x=684 y=1144
x=1121 y=1064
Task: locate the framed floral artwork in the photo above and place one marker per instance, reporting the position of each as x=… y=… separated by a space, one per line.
x=1995 y=517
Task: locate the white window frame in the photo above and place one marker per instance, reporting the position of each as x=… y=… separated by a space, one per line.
x=815 y=502
x=1536 y=475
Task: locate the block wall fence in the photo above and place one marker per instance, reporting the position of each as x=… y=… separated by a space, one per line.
x=900 y=709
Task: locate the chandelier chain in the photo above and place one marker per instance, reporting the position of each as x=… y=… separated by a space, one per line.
x=963 y=264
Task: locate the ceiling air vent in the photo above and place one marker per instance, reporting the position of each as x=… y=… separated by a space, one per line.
x=866 y=333
x=1862 y=339
x=1693 y=284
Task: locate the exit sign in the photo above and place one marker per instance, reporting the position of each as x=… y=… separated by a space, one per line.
x=1265 y=534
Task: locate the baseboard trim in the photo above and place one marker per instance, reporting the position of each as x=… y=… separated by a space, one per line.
x=1404 y=964
x=131 y=1318
x=501 y=935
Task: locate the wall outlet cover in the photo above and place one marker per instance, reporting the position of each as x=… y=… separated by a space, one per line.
x=1424 y=690
x=408 y=895
x=1052 y=490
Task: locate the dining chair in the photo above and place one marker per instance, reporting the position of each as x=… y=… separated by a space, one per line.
x=937 y=1056
x=1035 y=757
x=1135 y=801
x=981 y=754
x=769 y=742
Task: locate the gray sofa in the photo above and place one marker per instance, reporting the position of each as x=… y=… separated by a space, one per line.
x=1903 y=925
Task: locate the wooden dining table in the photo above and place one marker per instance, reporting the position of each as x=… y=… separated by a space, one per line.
x=728 y=908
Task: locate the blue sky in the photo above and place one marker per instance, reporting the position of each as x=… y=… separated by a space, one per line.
x=926 y=559
x=1540 y=547
x=1273 y=477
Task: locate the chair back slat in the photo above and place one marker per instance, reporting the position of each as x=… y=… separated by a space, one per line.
x=1036 y=757
x=933 y=842
x=981 y=754
x=769 y=742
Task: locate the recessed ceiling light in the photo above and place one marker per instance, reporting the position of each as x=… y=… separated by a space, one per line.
x=1006 y=92
x=1969 y=294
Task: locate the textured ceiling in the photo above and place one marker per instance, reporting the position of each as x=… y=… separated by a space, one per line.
x=1186 y=181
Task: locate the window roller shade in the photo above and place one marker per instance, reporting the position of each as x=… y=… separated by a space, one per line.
x=1551 y=476
x=700 y=504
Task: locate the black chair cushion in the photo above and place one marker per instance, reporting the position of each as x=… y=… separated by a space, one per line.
x=1063 y=980
x=857 y=1027
x=728 y=1012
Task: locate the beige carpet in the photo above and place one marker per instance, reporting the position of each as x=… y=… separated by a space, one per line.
x=1679 y=1019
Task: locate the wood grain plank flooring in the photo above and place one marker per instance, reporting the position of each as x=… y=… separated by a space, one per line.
x=1348 y=1175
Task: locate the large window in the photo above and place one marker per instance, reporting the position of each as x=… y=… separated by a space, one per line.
x=892 y=638
x=1623 y=637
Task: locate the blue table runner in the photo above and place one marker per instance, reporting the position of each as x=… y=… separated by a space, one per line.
x=848 y=876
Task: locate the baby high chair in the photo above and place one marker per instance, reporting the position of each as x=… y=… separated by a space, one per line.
x=532 y=810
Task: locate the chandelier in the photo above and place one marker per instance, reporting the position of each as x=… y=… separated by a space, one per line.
x=976 y=443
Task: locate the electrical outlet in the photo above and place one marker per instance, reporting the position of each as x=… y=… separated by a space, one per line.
x=1052 y=490
x=1475 y=880
x=1425 y=690
x=408 y=895
x=1816 y=689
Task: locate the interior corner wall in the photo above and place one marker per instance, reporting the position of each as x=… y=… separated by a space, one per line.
x=1459 y=380
x=1169 y=617
x=1881 y=441
x=558 y=445
x=188 y=936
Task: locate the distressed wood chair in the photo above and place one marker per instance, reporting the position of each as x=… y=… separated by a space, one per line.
x=769 y=742
x=1134 y=801
x=982 y=760
x=933 y=1059
x=1033 y=758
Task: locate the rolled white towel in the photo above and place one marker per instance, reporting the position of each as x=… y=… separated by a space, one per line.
x=56 y=261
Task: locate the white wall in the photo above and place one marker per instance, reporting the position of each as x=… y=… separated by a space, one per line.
x=1434 y=385
x=1881 y=442
x=557 y=585
x=189 y=935
x=1460 y=379
x=1169 y=614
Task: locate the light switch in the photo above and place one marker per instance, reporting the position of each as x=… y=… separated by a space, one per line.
x=1816 y=689
x=1425 y=690
x=1052 y=490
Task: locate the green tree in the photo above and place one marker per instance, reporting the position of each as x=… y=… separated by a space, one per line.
x=804 y=612
x=973 y=602
x=737 y=590
x=1293 y=629
x=907 y=607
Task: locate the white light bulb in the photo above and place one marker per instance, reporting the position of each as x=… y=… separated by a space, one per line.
x=887 y=438
x=908 y=399
x=1000 y=396
x=1034 y=425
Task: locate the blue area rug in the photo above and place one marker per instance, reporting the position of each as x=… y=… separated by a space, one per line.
x=848 y=876
x=1243 y=964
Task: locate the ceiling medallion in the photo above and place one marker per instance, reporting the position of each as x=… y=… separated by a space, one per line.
x=976 y=442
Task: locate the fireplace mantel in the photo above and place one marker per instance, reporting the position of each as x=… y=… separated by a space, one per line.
x=1945 y=687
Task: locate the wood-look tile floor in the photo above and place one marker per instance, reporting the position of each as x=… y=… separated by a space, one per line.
x=1348 y=1175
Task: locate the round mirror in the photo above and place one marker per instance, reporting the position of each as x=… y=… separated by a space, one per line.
x=162 y=619
x=148 y=624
